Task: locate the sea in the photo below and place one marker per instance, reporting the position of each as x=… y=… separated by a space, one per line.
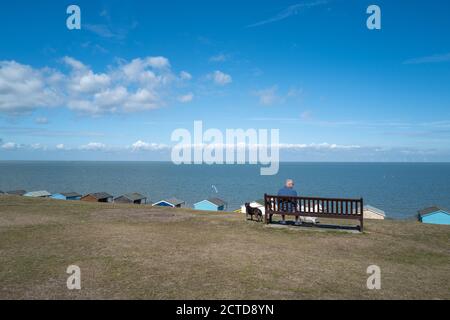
x=400 y=189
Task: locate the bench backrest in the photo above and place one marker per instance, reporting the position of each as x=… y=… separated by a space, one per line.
x=315 y=207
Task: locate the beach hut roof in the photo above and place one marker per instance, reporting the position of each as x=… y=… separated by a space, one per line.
x=218 y=202
x=173 y=201
x=431 y=210
x=375 y=210
x=100 y=195
x=40 y=193
x=134 y=196
x=71 y=194
x=16 y=192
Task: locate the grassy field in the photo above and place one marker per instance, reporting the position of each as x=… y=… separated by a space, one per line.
x=129 y=252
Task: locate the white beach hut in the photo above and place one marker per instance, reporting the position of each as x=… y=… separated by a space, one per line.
x=38 y=194
x=373 y=213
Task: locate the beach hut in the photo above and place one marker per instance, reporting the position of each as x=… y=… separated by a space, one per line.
x=97 y=197
x=38 y=194
x=134 y=197
x=172 y=202
x=211 y=204
x=434 y=215
x=255 y=204
x=373 y=213
x=16 y=192
x=66 y=196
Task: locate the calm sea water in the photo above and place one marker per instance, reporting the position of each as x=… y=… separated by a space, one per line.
x=398 y=188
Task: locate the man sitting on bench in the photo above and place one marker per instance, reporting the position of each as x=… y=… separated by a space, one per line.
x=288 y=191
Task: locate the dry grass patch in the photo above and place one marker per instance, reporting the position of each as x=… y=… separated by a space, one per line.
x=139 y=252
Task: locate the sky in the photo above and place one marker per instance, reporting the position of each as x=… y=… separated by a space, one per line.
x=138 y=70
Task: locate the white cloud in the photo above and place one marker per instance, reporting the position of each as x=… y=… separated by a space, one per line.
x=145 y=146
x=90 y=82
x=318 y=146
x=186 y=98
x=437 y=58
x=75 y=64
x=184 y=75
x=10 y=146
x=129 y=86
x=41 y=120
x=219 y=58
x=150 y=71
x=288 y=12
x=102 y=30
x=38 y=146
x=94 y=146
x=158 y=62
x=60 y=146
x=22 y=88
x=110 y=31
x=221 y=78
x=141 y=100
x=268 y=96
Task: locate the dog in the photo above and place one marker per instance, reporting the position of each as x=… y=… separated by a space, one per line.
x=250 y=211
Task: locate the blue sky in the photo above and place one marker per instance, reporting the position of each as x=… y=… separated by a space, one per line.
x=137 y=70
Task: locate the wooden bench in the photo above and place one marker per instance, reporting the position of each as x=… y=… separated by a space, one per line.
x=314 y=207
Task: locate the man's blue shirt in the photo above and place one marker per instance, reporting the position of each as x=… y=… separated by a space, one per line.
x=287 y=192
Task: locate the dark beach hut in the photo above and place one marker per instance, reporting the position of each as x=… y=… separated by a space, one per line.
x=97 y=197
x=134 y=197
x=16 y=192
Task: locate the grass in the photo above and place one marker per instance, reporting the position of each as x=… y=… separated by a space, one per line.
x=140 y=252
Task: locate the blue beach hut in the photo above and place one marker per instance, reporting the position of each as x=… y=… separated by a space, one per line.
x=212 y=204
x=172 y=203
x=66 y=196
x=434 y=215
